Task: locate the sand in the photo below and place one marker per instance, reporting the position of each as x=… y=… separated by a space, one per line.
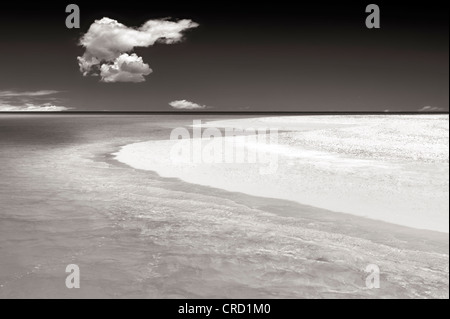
x=388 y=168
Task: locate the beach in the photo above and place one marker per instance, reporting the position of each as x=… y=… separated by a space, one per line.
x=101 y=192
x=389 y=168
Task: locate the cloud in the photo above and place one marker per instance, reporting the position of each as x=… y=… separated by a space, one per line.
x=108 y=44
x=186 y=105
x=46 y=107
x=34 y=93
x=431 y=109
x=126 y=68
x=29 y=101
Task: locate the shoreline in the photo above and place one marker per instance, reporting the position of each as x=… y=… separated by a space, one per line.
x=377 y=231
x=321 y=173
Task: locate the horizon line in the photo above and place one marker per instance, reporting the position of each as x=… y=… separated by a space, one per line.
x=230 y=112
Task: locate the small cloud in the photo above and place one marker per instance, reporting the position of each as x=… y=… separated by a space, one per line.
x=29 y=101
x=108 y=42
x=186 y=105
x=47 y=107
x=431 y=109
x=26 y=93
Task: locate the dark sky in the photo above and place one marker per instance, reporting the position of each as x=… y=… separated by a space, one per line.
x=280 y=56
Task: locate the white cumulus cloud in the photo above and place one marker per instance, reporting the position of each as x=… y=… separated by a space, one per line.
x=109 y=42
x=126 y=68
x=186 y=105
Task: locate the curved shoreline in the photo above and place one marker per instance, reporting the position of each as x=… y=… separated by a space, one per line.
x=318 y=178
x=142 y=235
x=377 y=231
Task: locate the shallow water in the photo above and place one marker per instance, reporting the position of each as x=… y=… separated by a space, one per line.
x=64 y=200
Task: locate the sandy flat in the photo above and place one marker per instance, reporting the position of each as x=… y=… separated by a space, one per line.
x=393 y=169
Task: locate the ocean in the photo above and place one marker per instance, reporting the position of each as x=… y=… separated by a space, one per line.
x=146 y=232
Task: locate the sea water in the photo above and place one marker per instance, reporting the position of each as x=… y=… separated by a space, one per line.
x=64 y=200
